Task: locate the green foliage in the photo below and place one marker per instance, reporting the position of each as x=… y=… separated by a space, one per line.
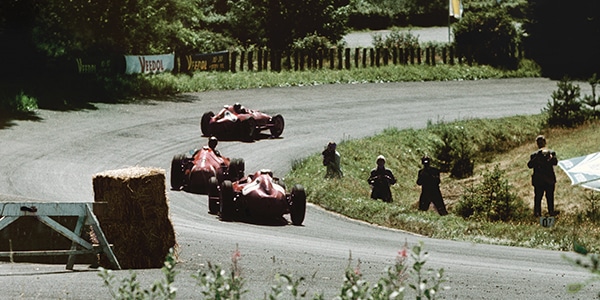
x=554 y=30
x=426 y=283
x=492 y=200
x=312 y=42
x=382 y=14
x=18 y=103
x=566 y=106
x=587 y=261
x=130 y=288
x=455 y=150
x=396 y=38
x=487 y=37
x=218 y=284
x=593 y=100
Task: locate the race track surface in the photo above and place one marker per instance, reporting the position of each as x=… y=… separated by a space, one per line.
x=55 y=158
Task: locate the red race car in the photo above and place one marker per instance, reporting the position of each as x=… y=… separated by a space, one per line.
x=259 y=197
x=236 y=121
x=193 y=171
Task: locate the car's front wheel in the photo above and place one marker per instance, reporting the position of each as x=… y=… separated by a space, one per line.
x=213 y=195
x=236 y=170
x=277 y=125
x=298 y=209
x=205 y=123
x=227 y=210
x=177 y=172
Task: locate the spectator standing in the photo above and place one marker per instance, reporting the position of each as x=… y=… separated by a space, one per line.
x=331 y=159
x=543 y=178
x=380 y=180
x=429 y=180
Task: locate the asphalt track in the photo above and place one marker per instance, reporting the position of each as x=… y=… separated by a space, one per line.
x=55 y=158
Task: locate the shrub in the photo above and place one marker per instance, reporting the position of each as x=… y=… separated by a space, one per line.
x=455 y=151
x=566 y=106
x=21 y=102
x=396 y=38
x=492 y=200
x=130 y=288
x=487 y=37
x=217 y=283
x=591 y=100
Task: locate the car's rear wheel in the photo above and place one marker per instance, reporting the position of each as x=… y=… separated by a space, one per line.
x=277 y=125
x=227 y=210
x=237 y=168
x=298 y=209
x=177 y=172
x=213 y=195
x=205 y=123
x=249 y=131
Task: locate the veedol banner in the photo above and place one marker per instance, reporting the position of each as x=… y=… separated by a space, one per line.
x=149 y=64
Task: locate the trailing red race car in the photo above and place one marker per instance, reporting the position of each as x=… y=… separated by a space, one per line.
x=193 y=171
x=239 y=122
x=259 y=197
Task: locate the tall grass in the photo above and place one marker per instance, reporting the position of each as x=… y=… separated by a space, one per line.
x=505 y=143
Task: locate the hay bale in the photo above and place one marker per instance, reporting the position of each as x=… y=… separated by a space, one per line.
x=136 y=220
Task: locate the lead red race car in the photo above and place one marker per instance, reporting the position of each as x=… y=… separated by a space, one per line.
x=192 y=171
x=258 y=198
x=237 y=121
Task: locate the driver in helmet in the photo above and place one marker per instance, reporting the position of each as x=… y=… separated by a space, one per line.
x=212 y=144
x=239 y=109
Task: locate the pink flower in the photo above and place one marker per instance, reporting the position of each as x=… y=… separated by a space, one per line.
x=403 y=252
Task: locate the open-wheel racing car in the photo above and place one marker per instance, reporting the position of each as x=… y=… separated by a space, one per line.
x=236 y=121
x=192 y=171
x=258 y=198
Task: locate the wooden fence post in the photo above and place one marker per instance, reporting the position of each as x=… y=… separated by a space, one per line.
x=233 y=56
x=266 y=56
x=364 y=57
x=250 y=61
x=331 y=58
x=259 y=58
x=321 y=57
x=419 y=55
x=347 y=54
x=372 y=56
x=432 y=55
x=340 y=58
x=356 y=57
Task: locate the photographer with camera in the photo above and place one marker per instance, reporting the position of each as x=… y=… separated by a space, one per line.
x=429 y=180
x=331 y=159
x=543 y=179
x=380 y=181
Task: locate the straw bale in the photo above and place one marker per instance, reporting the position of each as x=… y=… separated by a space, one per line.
x=136 y=220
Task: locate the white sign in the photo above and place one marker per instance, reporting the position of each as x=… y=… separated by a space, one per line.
x=149 y=64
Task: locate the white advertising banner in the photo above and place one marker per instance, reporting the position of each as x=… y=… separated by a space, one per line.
x=149 y=64
x=583 y=170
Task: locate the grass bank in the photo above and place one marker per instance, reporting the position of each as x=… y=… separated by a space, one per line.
x=506 y=143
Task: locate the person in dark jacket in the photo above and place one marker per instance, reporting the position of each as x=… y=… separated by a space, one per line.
x=429 y=180
x=543 y=178
x=380 y=181
x=331 y=159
